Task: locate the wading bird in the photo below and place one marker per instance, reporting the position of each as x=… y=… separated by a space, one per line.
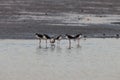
x=59 y=38
x=46 y=37
x=78 y=37
x=69 y=37
x=39 y=36
x=52 y=41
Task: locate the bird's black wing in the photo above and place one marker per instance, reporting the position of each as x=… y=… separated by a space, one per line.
x=48 y=37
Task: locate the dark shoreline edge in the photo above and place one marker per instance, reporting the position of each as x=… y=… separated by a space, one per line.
x=15 y=31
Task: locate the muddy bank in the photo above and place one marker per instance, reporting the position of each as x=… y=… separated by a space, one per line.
x=26 y=31
x=20 y=19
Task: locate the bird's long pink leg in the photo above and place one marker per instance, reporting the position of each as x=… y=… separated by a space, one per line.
x=46 y=43
x=78 y=42
x=39 y=43
x=69 y=44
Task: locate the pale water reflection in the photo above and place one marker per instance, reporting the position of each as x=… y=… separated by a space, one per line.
x=95 y=59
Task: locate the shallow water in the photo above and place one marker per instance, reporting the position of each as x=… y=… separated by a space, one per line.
x=95 y=59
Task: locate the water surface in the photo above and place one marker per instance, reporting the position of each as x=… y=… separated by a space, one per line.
x=95 y=59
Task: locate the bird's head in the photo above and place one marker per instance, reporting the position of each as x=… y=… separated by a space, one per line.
x=66 y=36
x=36 y=33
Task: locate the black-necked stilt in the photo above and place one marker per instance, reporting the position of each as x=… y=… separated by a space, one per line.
x=69 y=37
x=58 y=38
x=46 y=37
x=39 y=36
x=52 y=41
x=78 y=37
